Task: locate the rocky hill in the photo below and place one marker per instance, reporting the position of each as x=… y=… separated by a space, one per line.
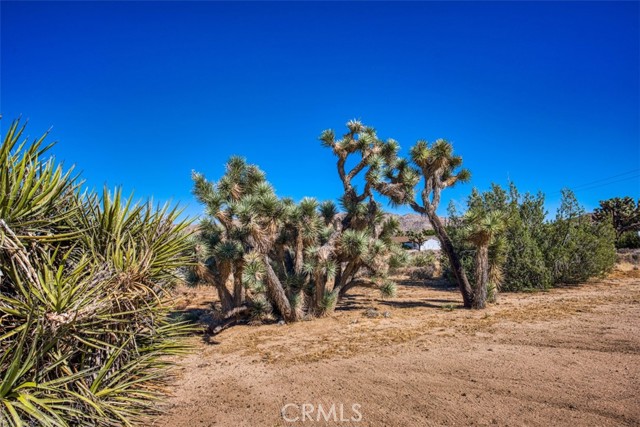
x=412 y=222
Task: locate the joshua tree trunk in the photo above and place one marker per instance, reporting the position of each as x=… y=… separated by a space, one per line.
x=454 y=260
x=320 y=285
x=218 y=280
x=482 y=276
x=225 y=296
x=278 y=296
x=338 y=276
x=238 y=288
x=352 y=284
x=299 y=261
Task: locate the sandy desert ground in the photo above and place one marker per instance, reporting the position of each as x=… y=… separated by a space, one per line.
x=568 y=357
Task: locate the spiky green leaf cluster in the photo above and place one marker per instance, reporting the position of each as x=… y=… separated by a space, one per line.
x=84 y=326
x=328 y=302
x=388 y=289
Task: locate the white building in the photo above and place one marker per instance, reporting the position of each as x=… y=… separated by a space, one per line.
x=431 y=244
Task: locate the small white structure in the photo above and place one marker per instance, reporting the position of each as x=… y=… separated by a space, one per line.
x=432 y=244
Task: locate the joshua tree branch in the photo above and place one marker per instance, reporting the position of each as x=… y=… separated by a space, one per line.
x=354 y=283
x=342 y=158
x=358 y=168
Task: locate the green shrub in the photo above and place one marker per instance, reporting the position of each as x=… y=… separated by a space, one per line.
x=328 y=302
x=84 y=327
x=422 y=259
x=261 y=309
x=628 y=240
x=578 y=248
x=623 y=213
x=538 y=254
x=422 y=265
x=525 y=266
x=399 y=258
x=388 y=289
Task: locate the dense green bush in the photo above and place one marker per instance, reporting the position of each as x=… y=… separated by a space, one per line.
x=576 y=247
x=422 y=265
x=628 y=240
x=525 y=265
x=534 y=253
x=399 y=258
x=83 y=323
x=422 y=259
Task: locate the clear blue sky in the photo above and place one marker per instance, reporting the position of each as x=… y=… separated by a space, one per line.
x=140 y=93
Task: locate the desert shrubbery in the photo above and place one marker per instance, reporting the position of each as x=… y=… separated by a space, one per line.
x=628 y=240
x=83 y=326
x=525 y=267
x=576 y=246
x=534 y=253
x=422 y=259
x=422 y=265
x=629 y=256
x=623 y=213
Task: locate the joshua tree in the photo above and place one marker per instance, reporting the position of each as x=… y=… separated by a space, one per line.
x=239 y=236
x=298 y=258
x=436 y=167
x=361 y=239
x=482 y=230
x=223 y=239
x=623 y=213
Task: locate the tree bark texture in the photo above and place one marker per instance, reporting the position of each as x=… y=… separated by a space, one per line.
x=454 y=259
x=482 y=277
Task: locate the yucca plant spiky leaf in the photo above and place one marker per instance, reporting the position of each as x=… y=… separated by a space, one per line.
x=328 y=302
x=353 y=243
x=84 y=280
x=388 y=289
x=328 y=211
x=261 y=309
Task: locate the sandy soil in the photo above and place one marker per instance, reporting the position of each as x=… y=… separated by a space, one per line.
x=569 y=357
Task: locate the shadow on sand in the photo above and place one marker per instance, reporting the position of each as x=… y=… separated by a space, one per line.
x=207 y=324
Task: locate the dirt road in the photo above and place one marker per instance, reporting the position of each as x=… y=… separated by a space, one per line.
x=568 y=357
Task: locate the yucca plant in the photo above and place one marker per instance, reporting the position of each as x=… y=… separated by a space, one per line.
x=84 y=325
x=389 y=289
x=328 y=302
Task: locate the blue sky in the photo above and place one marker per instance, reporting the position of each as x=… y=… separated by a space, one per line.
x=140 y=93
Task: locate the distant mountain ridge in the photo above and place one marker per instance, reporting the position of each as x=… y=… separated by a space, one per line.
x=411 y=222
